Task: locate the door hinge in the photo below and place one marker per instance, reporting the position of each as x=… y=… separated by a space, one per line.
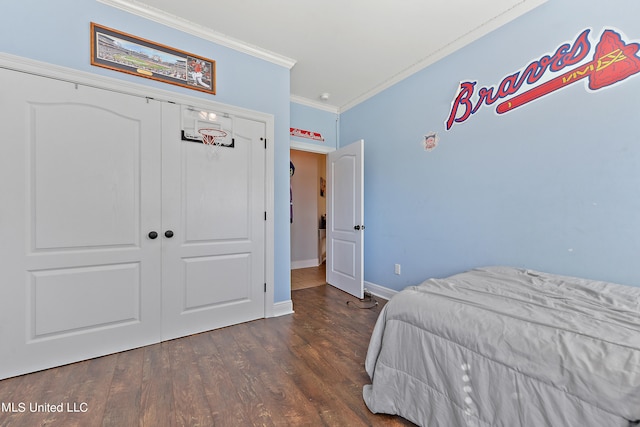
x=265 y=287
x=265 y=215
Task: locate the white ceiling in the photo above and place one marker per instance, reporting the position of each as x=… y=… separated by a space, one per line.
x=351 y=49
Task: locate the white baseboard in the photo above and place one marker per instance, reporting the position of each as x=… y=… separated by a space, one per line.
x=380 y=291
x=305 y=263
x=282 y=308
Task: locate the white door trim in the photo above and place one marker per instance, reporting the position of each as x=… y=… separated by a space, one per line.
x=311 y=148
x=43 y=69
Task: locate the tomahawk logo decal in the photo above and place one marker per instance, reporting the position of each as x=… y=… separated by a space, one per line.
x=613 y=61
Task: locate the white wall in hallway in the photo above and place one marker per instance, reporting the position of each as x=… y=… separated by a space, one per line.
x=308 y=206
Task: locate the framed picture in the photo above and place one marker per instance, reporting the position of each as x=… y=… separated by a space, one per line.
x=129 y=54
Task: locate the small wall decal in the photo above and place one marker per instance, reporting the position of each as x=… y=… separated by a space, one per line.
x=430 y=141
x=613 y=61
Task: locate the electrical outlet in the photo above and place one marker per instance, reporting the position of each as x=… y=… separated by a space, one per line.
x=397 y=269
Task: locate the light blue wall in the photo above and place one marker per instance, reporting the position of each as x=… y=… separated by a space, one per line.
x=315 y=120
x=57 y=32
x=553 y=185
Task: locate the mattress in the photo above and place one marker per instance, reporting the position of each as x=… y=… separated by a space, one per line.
x=502 y=346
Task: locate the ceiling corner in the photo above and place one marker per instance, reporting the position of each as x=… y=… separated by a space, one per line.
x=161 y=17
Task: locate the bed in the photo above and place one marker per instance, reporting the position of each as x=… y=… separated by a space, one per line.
x=508 y=347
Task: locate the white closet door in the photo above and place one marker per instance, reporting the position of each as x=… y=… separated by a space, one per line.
x=214 y=205
x=80 y=190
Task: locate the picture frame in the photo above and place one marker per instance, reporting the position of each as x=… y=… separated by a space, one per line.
x=118 y=51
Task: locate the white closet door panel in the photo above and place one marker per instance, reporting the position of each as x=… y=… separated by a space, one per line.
x=233 y=271
x=80 y=177
x=214 y=263
x=85 y=181
x=217 y=192
x=102 y=296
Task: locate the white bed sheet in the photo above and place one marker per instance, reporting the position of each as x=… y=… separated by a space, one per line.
x=501 y=346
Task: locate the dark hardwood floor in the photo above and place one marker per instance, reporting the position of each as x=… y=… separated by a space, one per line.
x=305 y=369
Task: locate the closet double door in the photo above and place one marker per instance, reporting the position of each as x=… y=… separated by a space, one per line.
x=114 y=232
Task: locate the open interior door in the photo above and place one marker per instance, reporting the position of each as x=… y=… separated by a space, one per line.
x=345 y=228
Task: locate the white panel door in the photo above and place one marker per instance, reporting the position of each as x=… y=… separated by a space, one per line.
x=345 y=228
x=214 y=207
x=80 y=190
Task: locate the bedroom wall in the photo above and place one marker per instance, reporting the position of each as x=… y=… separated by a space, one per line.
x=58 y=33
x=314 y=119
x=553 y=185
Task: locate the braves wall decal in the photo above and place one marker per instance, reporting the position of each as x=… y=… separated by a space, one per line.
x=613 y=61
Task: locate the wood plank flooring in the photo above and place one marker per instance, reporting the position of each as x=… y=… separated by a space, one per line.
x=303 y=278
x=304 y=369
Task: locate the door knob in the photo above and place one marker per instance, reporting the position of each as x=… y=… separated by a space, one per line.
x=357 y=227
x=168 y=234
x=153 y=235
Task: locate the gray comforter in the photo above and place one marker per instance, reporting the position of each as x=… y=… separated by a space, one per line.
x=508 y=347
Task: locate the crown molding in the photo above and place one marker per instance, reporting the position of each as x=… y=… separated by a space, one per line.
x=314 y=104
x=521 y=8
x=164 y=18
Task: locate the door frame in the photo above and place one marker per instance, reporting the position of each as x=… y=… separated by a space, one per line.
x=47 y=70
x=321 y=149
x=310 y=148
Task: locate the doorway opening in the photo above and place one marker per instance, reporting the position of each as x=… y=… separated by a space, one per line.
x=308 y=219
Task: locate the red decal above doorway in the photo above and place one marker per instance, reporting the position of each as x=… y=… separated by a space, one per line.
x=300 y=133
